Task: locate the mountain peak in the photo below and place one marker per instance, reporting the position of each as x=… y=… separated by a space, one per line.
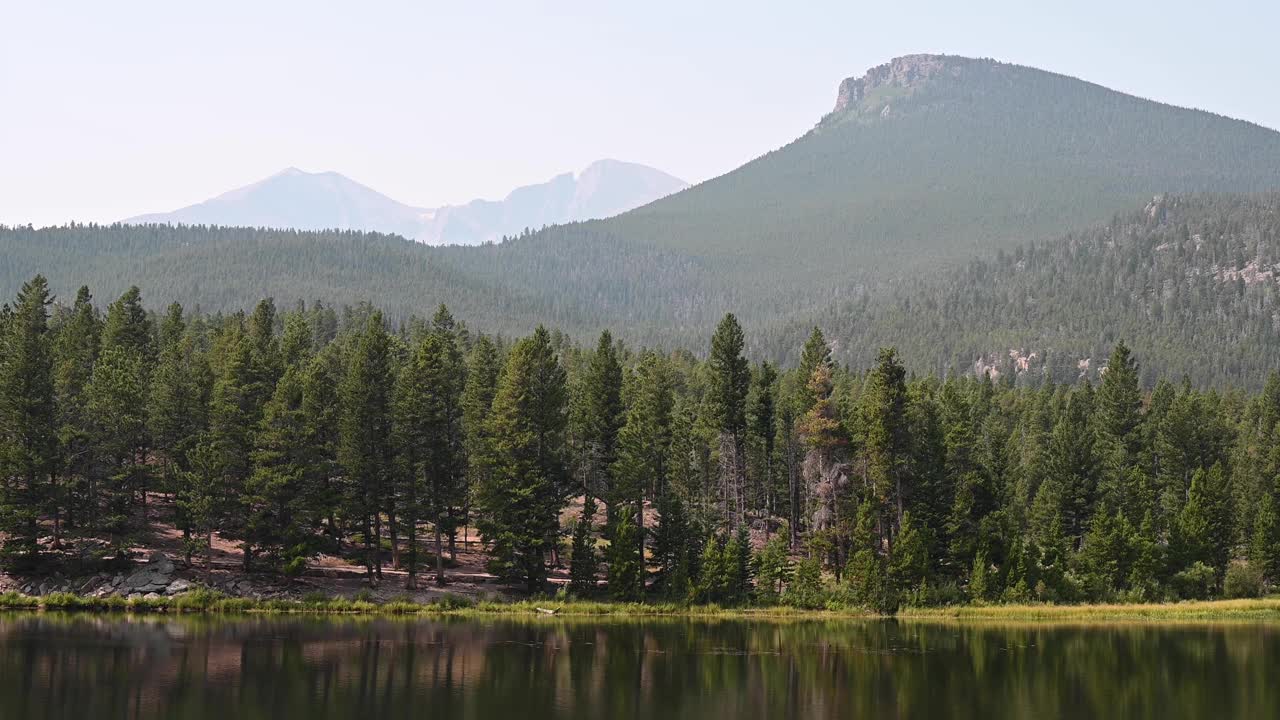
x=902 y=76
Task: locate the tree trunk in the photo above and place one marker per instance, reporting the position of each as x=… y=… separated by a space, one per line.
x=395 y=538
x=439 y=553
x=377 y=545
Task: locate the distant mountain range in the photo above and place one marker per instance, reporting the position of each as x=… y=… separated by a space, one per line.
x=869 y=223
x=294 y=199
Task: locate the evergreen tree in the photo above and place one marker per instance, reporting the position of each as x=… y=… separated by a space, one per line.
x=76 y=347
x=764 y=433
x=483 y=367
x=730 y=380
x=772 y=570
x=364 y=432
x=672 y=545
x=643 y=444
x=28 y=422
x=584 y=560
x=117 y=404
x=602 y=418
x=278 y=523
x=1119 y=410
x=626 y=564
x=1203 y=531
x=886 y=439
x=430 y=435
x=127 y=326
x=522 y=488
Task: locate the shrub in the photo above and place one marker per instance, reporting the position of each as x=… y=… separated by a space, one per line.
x=805 y=589
x=1244 y=580
x=1195 y=582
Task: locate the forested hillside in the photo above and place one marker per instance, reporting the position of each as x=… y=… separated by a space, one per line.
x=1192 y=281
x=863 y=224
x=925 y=161
x=297 y=433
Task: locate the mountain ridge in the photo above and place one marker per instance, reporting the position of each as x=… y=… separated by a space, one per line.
x=328 y=200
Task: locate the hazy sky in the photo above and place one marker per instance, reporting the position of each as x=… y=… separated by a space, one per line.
x=116 y=108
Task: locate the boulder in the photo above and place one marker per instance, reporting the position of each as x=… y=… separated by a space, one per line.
x=177 y=587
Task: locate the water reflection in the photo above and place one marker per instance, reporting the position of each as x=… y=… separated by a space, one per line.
x=108 y=667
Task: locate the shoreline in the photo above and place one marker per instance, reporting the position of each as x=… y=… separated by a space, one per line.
x=211 y=603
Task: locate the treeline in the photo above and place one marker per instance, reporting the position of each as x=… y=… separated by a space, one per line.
x=1192 y=280
x=718 y=480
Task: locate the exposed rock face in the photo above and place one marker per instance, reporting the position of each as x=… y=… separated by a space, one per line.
x=154 y=576
x=904 y=74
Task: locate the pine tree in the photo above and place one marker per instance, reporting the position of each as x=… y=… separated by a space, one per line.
x=730 y=380
x=643 y=444
x=584 y=560
x=525 y=478
x=364 y=432
x=886 y=439
x=772 y=570
x=1203 y=529
x=278 y=524
x=28 y=422
x=626 y=564
x=602 y=418
x=117 y=403
x=175 y=409
x=1119 y=413
x=483 y=368
x=430 y=438
x=764 y=433
x=671 y=545
x=76 y=347
x=127 y=326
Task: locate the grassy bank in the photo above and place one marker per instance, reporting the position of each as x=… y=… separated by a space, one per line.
x=208 y=602
x=201 y=601
x=1252 y=609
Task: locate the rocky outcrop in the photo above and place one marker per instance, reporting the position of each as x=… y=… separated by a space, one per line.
x=153 y=578
x=904 y=75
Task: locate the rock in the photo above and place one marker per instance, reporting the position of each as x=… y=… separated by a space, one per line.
x=177 y=587
x=151 y=596
x=159 y=562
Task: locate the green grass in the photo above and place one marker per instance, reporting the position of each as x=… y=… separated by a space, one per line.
x=202 y=601
x=212 y=602
x=1196 y=611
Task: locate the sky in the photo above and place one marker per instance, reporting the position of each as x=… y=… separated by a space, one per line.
x=112 y=109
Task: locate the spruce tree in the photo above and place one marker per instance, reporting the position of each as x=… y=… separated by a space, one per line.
x=643 y=444
x=364 y=435
x=524 y=483
x=730 y=380
x=275 y=495
x=483 y=367
x=28 y=422
x=430 y=438
x=602 y=418
x=584 y=559
x=626 y=564
x=76 y=348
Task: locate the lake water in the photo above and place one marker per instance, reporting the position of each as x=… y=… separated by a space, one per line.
x=89 y=667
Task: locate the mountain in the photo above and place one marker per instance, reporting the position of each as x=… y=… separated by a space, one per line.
x=925 y=165
x=603 y=189
x=923 y=162
x=300 y=200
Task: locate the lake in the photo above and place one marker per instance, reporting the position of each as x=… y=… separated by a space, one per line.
x=90 y=667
